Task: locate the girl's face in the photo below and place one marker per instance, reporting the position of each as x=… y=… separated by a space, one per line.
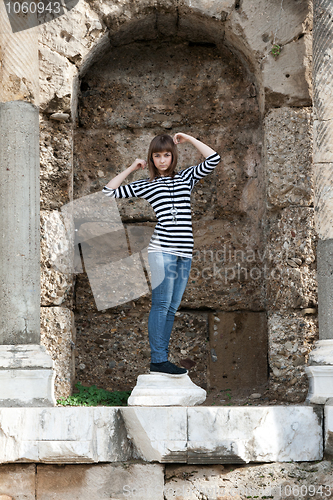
x=162 y=161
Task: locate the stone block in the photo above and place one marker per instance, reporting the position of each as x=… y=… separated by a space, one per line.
x=24 y=357
x=73 y=36
x=56 y=163
x=291 y=20
x=288 y=154
x=26 y=376
x=129 y=22
x=291 y=337
x=26 y=387
x=102 y=482
x=192 y=435
x=17 y=482
x=157 y=434
x=57 y=254
x=287 y=79
x=58 y=337
x=253 y=28
x=275 y=480
x=63 y=435
x=291 y=254
x=261 y=434
x=56 y=75
x=238 y=350
x=166 y=390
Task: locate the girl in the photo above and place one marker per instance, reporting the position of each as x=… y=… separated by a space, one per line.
x=171 y=245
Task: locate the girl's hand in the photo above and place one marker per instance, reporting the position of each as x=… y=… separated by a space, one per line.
x=137 y=164
x=116 y=181
x=201 y=147
x=180 y=138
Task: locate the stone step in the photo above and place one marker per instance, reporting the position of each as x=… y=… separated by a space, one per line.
x=161 y=434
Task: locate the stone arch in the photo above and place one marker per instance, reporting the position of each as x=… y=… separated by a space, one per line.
x=236 y=28
x=83 y=36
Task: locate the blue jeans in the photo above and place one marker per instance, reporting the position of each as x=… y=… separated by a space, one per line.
x=169 y=276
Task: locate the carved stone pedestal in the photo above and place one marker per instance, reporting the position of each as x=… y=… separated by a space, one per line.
x=160 y=389
x=26 y=376
x=320 y=372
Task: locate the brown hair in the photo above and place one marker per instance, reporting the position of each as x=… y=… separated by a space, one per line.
x=163 y=142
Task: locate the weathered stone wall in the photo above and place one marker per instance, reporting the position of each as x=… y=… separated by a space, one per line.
x=205 y=69
x=291 y=294
x=158 y=482
x=57 y=321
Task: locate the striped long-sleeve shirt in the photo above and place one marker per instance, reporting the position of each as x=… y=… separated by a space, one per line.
x=163 y=194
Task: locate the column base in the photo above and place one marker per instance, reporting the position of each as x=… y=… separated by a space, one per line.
x=26 y=376
x=320 y=372
x=159 y=389
x=320 y=383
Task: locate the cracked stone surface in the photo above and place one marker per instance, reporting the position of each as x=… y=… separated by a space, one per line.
x=160 y=434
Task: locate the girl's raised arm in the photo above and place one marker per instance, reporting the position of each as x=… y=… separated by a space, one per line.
x=118 y=179
x=205 y=150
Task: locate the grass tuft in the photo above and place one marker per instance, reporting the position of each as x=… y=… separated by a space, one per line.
x=93 y=396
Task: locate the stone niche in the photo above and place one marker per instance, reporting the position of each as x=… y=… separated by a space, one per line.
x=133 y=93
x=117 y=73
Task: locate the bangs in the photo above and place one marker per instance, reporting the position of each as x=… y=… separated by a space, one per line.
x=162 y=143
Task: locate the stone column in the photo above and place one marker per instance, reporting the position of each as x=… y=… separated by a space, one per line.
x=320 y=371
x=26 y=374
